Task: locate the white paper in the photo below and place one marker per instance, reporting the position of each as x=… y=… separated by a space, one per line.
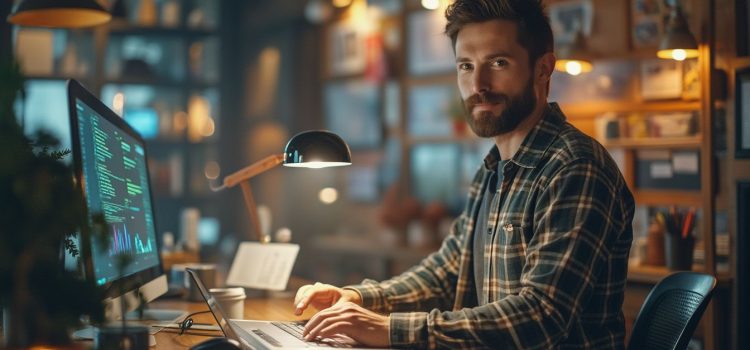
x=661 y=171
x=685 y=163
x=263 y=266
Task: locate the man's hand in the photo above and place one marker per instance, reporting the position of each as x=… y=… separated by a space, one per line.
x=350 y=320
x=322 y=296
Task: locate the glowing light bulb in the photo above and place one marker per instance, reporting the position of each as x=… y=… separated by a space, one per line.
x=328 y=195
x=431 y=4
x=679 y=54
x=573 y=67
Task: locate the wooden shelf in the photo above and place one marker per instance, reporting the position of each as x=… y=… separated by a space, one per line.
x=667 y=197
x=129 y=29
x=415 y=140
x=592 y=109
x=654 y=274
x=652 y=142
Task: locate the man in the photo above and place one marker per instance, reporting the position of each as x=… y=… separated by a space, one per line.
x=538 y=258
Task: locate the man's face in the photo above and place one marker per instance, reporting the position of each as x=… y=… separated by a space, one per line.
x=494 y=76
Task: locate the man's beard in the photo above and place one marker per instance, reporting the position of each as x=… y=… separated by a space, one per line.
x=517 y=109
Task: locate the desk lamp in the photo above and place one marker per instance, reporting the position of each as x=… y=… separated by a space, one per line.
x=678 y=42
x=574 y=58
x=59 y=13
x=309 y=149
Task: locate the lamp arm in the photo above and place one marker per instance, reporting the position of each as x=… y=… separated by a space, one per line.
x=241 y=177
x=251 y=170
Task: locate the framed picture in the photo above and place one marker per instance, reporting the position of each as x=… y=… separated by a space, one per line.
x=346 y=49
x=691 y=79
x=429 y=50
x=429 y=110
x=743 y=262
x=742 y=114
x=608 y=81
x=647 y=22
x=566 y=18
x=661 y=79
x=352 y=110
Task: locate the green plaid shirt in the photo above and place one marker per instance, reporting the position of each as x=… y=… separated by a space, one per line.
x=555 y=272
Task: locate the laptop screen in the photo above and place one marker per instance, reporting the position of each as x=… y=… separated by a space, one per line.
x=214 y=306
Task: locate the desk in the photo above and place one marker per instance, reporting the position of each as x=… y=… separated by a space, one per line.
x=269 y=308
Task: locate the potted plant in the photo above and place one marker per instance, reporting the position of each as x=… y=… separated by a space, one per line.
x=40 y=212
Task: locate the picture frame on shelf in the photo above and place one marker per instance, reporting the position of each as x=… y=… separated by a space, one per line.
x=566 y=18
x=647 y=23
x=352 y=110
x=430 y=110
x=661 y=79
x=742 y=114
x=691 y=79
x=346 y=49
x=429 y=50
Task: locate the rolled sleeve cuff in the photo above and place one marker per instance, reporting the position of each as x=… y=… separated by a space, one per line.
x=409 y=330
x=371 y=294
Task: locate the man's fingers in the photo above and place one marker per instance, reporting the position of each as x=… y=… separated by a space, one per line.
x=325 y=320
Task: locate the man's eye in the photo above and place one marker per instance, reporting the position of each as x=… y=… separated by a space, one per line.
x=464 y=66
x=500 y=63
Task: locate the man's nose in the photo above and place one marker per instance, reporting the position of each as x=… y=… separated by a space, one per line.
x=480 y=81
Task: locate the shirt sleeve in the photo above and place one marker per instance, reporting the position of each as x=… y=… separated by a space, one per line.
x=430 y=284
x=578 y=215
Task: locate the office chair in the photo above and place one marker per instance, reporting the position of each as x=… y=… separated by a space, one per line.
x=671 y=311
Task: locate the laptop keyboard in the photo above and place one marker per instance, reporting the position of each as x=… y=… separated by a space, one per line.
x=296 y=328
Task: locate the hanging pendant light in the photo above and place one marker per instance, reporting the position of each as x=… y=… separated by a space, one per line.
x=678 y=42
x=574 y=58
x=59 y=13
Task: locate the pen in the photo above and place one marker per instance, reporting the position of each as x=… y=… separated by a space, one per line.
x=686 y=226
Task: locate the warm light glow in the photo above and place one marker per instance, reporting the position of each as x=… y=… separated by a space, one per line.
x=316 y=165
x=198 y=118
x=573 y=67
x=209 y=127
x=328 y=195
x=431 y=4
x=212 y=170
x=677 y=54
x=118 y=103
x=342 y=3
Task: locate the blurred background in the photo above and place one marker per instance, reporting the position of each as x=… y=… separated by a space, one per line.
x=215 y=85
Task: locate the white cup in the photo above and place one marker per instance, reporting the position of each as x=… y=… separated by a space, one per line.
x=231 y=300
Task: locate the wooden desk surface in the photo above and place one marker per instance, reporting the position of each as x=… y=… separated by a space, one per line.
x=268 y=308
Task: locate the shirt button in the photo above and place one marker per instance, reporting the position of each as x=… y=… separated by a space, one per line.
x=489 y=231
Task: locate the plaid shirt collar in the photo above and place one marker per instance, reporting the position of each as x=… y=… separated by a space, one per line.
x=536 y=142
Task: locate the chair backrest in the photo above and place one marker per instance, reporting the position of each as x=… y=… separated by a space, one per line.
x=671 y=311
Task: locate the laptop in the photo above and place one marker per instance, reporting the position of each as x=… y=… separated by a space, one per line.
x=255 y=334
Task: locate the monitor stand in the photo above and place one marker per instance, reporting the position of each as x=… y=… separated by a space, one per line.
x=150 y=316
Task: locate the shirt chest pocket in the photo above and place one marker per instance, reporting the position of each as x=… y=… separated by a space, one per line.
x=508 y=258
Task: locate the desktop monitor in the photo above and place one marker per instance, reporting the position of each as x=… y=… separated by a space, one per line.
x=111 y=168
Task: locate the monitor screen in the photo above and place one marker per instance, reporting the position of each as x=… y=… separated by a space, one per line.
x=111 y=166
x=116 y=183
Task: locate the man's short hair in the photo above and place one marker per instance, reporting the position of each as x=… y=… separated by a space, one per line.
x=534 y=31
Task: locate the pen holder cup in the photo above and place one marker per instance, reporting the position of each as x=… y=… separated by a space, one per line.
x=679 y=251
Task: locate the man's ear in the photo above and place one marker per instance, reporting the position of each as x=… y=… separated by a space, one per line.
x=545 y=65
